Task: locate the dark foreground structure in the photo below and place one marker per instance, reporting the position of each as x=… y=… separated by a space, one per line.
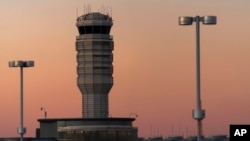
x=89 y=129
x=94 y=48
x=191 y=138
x=28 y=139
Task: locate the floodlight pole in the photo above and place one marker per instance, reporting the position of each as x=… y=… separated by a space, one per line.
x=198 y=78
x=21 y=130
x=198 y=113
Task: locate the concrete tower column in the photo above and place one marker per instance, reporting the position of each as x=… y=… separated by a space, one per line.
x=94 y=48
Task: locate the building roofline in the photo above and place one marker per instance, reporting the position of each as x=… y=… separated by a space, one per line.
x=84 y=119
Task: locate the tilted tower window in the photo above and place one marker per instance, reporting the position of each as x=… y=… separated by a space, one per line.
x=94 y=29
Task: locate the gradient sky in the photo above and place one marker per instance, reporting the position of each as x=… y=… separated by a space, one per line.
x=154 y=63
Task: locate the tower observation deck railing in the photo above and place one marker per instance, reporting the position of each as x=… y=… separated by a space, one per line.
x=82 y=22
x=95 y=36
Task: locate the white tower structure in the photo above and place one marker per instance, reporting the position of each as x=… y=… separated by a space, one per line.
x=94 y=48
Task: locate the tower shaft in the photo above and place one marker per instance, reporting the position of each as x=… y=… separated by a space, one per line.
x=94 y=48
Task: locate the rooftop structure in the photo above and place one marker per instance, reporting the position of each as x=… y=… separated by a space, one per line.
x=90 y=129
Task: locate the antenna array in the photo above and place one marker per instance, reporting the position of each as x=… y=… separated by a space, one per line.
x=87 y=9
x=107 y=10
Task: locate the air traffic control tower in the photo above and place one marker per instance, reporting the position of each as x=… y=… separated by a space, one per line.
x=94 y=48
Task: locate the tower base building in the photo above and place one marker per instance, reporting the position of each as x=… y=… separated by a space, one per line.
x=88 y=129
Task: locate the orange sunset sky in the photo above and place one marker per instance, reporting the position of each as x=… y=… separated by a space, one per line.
x=154 y=63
